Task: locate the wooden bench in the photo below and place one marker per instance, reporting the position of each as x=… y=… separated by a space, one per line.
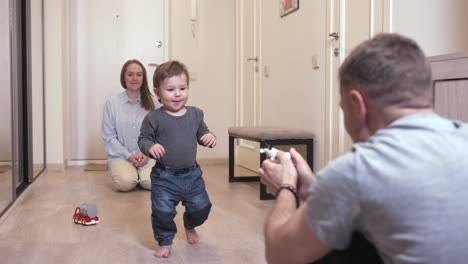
x=272 y=136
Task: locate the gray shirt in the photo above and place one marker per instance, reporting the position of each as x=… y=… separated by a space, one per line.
x=177 y=134
x=405 y=189
x=121 y=127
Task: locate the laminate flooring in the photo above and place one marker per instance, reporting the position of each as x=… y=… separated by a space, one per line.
x=38 y=228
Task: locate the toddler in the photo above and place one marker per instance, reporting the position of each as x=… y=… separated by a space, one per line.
x=170 y=135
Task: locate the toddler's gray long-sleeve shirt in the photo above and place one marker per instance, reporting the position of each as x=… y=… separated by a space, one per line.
x=178 y=135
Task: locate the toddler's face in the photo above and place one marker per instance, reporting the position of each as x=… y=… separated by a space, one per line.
x=173 y=94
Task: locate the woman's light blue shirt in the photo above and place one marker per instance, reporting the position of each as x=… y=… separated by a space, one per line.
x=121 y=127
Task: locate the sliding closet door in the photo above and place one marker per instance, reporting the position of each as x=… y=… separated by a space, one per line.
x=22 y=155
x=6 y=152
x=35 y=89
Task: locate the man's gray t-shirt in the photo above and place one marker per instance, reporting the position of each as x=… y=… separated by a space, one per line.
x=178 y=135
x=405 y=189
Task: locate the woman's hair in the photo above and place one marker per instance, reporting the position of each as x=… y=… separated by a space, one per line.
x=146 y=96
x=167 y=70
x=392 y=70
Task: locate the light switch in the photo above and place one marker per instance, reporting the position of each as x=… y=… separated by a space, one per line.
x=315 y=62
x=266 y=71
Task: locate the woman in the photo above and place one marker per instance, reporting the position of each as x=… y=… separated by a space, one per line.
x=123 y=115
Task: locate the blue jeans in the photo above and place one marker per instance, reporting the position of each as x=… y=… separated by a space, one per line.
x=168 y=188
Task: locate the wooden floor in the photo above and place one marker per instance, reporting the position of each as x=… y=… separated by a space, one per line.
x=39 y=228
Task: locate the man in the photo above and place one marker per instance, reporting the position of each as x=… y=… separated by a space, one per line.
x=403 y=186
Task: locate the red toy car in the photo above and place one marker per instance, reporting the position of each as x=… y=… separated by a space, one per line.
x=86 y=215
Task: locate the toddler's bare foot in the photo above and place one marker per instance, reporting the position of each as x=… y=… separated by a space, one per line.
x=192 y=236
x=163 y=252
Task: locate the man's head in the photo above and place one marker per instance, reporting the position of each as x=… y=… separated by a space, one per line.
x=384 y=73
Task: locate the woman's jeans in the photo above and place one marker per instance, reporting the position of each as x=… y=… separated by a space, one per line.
x=168 y=188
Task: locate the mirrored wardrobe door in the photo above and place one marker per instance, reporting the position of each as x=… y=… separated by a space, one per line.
x=6 y=155
x=35 y=104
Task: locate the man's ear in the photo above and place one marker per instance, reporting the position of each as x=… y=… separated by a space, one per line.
x=358 y=104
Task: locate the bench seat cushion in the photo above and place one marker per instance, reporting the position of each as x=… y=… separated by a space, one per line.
x=268 y=133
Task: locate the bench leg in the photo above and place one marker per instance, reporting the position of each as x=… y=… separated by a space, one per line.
x=263 y=193
x=310 y=154
x=231 y=159
x=232 y=178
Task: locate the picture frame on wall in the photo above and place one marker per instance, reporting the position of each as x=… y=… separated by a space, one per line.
x=288 y=6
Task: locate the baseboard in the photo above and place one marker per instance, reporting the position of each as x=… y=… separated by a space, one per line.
x=56 y=167
x=213 y=161
x=85 y=162
x=205 y=161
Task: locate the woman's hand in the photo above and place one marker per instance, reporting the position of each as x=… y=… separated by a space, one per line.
x=134 y=160
x=142 y=160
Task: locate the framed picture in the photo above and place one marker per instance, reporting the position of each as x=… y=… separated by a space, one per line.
x=288 y=6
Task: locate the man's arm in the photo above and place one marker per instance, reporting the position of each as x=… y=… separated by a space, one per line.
x=288 y=236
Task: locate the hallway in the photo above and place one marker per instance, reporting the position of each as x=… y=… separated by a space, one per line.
x=39 y=227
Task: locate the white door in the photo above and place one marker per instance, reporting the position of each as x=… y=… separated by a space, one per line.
x=248 y=89
x=104 y=34
x=350 y=22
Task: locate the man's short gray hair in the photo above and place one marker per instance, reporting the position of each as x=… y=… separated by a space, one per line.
x=391 y=70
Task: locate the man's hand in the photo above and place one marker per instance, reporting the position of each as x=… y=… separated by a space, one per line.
x=209 y=140
x=157 y=151
x=276 y=174
x=305 y=176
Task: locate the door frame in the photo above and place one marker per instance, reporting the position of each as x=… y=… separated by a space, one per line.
x=257 y=85
x=240 y=66
x=337 y=141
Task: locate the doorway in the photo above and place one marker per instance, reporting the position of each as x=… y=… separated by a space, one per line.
x=349 y=23
x=104 y=34
x=248 y=89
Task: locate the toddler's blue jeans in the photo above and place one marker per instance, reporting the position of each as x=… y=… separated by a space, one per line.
x=168 y=188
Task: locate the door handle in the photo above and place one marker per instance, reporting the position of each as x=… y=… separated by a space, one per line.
x=335 y=35
x=158 y=43
x=253 y=59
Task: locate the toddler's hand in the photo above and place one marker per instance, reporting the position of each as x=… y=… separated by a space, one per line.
x=157 y=151
x=209 y=140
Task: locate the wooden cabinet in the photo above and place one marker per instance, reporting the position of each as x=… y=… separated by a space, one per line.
x=450 y=77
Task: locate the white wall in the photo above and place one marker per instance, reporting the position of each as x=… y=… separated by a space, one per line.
x=210 y=58
x=54 y=80
x=439 y=26
x=37 y=84
x=294 y=93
